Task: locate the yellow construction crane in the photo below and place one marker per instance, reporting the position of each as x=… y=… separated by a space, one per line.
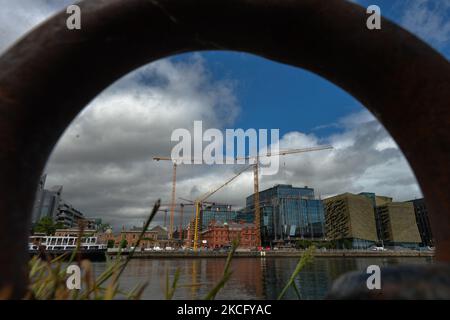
x=181 y=211
x=256 y=179
x=174 y=185
x=164 y=209
x=199 y=200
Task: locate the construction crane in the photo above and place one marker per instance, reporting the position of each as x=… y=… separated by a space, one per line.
x=165 y=216
x=174 y=185
x=256 y=179
x=181 y=211
x=198 y=202
x=212 y=203
x=255 y=167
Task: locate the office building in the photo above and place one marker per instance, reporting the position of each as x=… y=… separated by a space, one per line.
x=288 y=214
x=377 y=201
x=350 y=221
x=423 y=222
x=219 y=213
x=399 y=227
x=49 y=203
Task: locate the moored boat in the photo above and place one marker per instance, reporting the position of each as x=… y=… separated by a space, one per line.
x=53 y=246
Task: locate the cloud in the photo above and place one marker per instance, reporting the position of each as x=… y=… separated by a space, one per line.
x=429 y=20
x=104 y=158
x=364 y=158
x=17 y=17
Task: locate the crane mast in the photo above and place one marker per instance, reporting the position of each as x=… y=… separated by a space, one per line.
x=256 y=201
x=172 y=207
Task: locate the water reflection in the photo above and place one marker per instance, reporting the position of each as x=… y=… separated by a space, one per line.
x=261 y=278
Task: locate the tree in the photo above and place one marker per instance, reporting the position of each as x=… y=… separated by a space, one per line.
x=102 y=227
x=303 y=244
x=60 y=225
x=123 y=243
x=46 y=225
x=110 y=244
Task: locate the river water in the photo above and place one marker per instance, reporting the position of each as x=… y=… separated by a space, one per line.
x=252 y=278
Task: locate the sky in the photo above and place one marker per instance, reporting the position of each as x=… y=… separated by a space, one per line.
x=104 y=159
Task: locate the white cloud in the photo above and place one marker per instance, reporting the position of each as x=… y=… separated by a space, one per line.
x=104 y=158
x=429 y=20
x=17 y=17
x=364 y=158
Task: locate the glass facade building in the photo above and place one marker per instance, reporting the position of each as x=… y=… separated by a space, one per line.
x=289 y=213
x=218 y=213
x=49 y=203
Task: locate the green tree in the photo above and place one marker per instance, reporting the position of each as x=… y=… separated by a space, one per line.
x=123 y=243
x=303 y=244
x=46 y=225
x=60 y=225
x=110 y=244
x=103 y=227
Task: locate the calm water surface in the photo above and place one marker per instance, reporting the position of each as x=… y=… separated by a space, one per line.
x=253 y=278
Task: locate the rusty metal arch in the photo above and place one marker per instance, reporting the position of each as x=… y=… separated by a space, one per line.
x=52 y=73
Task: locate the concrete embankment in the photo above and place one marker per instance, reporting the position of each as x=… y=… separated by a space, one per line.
x=276 y=254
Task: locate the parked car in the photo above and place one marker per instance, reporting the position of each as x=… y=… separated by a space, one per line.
x=169 y=249
x=378 y=249
x=157 y=249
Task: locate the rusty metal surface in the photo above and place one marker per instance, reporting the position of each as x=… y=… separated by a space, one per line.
x=52 y=73
x=407 y=282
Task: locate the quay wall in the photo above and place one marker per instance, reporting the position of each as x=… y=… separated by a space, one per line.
x=256 y=254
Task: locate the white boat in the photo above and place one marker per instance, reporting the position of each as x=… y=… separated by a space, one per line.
x=57 y=245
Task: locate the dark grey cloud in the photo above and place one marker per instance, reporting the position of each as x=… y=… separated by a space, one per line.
x=104 y=159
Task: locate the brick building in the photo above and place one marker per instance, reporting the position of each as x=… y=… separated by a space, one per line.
x=222 y=234
x=131 y=237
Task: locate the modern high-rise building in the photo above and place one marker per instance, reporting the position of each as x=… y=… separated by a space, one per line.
x=423 y=222
x=49 y=203
x=399 y=227
x=288 y=213
x=350 y=221
x=377 y=201
x=46 y=202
